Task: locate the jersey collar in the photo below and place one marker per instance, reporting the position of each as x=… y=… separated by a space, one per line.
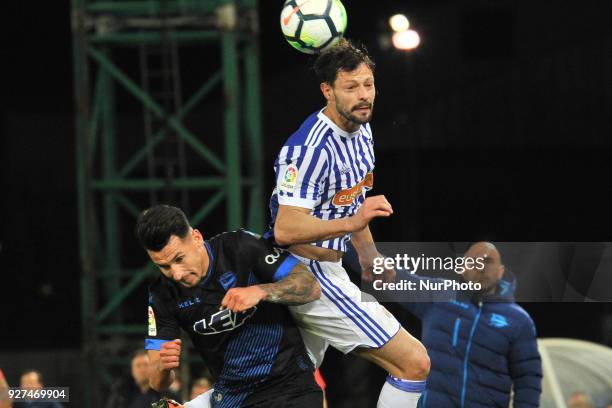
x=337 y=129
x=211 y=260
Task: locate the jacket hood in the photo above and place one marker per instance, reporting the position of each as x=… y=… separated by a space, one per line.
x=505 y=289
x=504 y=292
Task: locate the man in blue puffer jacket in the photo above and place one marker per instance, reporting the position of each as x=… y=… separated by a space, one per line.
x=481 y=345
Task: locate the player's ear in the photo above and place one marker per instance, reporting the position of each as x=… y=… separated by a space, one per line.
x=197 y=236
x=326 y=90
x=501 y=271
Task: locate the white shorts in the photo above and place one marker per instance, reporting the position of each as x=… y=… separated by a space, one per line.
x=201 y=401
x=341 y=318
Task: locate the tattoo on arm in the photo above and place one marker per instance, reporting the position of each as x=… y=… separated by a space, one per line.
x=297 y=288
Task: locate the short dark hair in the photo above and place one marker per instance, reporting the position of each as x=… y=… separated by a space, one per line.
x=157 y=224
x=344 y=56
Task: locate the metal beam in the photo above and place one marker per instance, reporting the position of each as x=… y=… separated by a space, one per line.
x=231 y=86
x=254 y=132
x=112 y=185
x=147 y=101
x=131 y=39
x=158 y=184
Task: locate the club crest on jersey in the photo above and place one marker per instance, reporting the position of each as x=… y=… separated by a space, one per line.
x=346 y=197
x=345 y=168
x=222 y=321
x=289 y=180
x=217 y=396
x=152 y=324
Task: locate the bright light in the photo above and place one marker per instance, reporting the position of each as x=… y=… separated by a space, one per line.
x=399 y=22
x=406 y=40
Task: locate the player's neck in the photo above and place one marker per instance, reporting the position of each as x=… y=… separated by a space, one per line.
x=340 y=121
x=205 y=263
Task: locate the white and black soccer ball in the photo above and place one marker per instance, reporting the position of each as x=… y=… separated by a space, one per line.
x=311 y=26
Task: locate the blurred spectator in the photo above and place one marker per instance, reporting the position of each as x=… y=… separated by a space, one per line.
x=134 y=391
x=482 y=344
x=33 y=379
x=200 y=386
x=4 y=401
x=176 y=385
x=579 y=400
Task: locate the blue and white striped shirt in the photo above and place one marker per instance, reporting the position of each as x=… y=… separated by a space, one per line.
x=325 y=169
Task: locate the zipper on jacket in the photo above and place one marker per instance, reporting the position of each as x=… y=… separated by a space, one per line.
x=467 y=354
x=456 y=331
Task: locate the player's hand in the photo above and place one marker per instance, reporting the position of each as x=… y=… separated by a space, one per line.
x=367 y=271
x=169 y=354
x=372 y=207
x=241 y=299
x=166 y=403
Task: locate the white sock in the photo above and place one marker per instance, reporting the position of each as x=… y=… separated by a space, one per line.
x=398 y=393
x=201 y=401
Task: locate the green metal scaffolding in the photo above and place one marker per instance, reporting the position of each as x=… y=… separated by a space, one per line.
x=106 y=187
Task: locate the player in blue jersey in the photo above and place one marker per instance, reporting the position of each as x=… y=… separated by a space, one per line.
x=319 y=204
x=228 y=294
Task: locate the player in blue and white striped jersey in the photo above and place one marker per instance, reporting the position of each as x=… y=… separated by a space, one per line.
x=319 y=204
x=337 y=166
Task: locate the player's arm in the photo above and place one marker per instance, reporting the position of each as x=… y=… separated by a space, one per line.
x=300 y=179
x=163 y=363
x=297 y=288
x=284 y=279
x=163 y=352
x=295 y=225
x=365 y=246
x=366 y=250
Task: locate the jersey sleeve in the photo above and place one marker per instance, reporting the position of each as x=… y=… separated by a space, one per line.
x=269 y=263
x=162 y=325
x=300 y=171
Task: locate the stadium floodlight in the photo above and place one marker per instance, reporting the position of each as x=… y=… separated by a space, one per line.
x=406 y=40
x=399 y=23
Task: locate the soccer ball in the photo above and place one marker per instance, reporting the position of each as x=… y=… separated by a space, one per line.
x=311 y=26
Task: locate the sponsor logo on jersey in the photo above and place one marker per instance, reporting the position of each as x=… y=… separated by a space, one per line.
x=222 y=321
x=228 y=280
x=152 y=324
x=272 y=258
x=347 y=196
x=189 y=302
x=289 y=179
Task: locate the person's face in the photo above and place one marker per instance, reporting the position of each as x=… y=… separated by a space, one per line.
x=352 y=94
x=579 y=401
x=182 y=260
x=30 y=380
x=490 y=274
x=140 y=369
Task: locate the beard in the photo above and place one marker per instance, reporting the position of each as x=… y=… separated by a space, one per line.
x=353 y=115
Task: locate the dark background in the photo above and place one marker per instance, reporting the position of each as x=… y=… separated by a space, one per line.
x=497 y=127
